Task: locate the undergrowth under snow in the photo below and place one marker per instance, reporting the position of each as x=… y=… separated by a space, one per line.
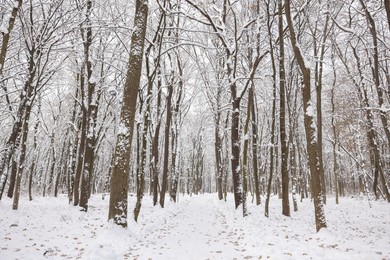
x=197 y=227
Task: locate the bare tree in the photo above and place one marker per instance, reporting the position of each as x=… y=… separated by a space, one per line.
x=6 y=32
x=273 y=116
x=311 y=141
x=231 y=48
x=282 y=118
x=120 y=169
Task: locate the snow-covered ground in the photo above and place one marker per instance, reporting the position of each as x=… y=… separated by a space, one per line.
x=197 y=227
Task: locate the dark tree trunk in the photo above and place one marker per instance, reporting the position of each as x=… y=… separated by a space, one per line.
x=379 y=88
x=318 y=82
x=282 y=117
x=218 y=156
x=121 y=167
x=4 y=45
x=273 y=116
x=254 y=146
x=22 y=158
x=334 y=132
x=312 y=148
x=164 y=181
x=235 y=144
x=12 y=179
x=175 y=135
x=81 y=145
x=155 y=152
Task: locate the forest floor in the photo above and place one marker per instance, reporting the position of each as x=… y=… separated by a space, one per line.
x=197 y=227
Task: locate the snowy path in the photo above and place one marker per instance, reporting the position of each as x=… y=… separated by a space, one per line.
x=198 y=227
x=197 y=230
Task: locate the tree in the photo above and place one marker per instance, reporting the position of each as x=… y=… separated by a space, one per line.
x=121 y=167
x=6 y=32
x=311 y=141
x=39 y=43
x=377 y=82
x=282 y=118
x=318 y=76
x=230 y=41
x=273 y=116
x=90 y=106
x=8 y=151
x=154 y=47
x=335 y=139
x=366 y=79
x=168 y=120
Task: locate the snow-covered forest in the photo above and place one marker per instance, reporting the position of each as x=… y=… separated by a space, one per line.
x=232 y=117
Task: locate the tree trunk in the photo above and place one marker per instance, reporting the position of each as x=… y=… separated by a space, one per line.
x=20 y=130
x=6 y=34
x=22 y=158
x=81 y=146
x=226 y=160
x=282 y=117
x=142 y=166
x=235 y=144
x=90 y=107
x=175 y=135
x=293 y=167
x=140 y=173
x=271 y=156
x=335 y=163
x=53 y=162
x=218 y=156
x=254 y=146
x=12 y=179
x=273 y=123
x=311 y=142
x=73 y=147
x=155 y=152
x=12 y=143
x=89 y=157
x=168 y=120
x=121 y=167
x=245 y=159
x=379 y=88
x=318 y=82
